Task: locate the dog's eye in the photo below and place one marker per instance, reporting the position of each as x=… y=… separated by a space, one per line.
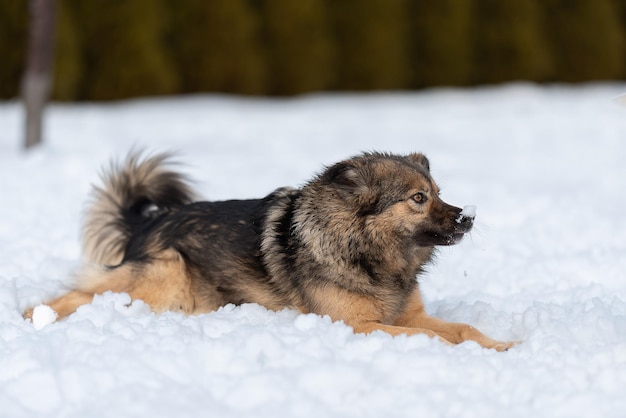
x=419 y=197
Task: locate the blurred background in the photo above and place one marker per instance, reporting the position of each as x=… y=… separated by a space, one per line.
x=110 y=50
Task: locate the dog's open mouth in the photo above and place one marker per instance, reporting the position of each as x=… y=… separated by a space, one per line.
x=451 y=239
x=431 y=239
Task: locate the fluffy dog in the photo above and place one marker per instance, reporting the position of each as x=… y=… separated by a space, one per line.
x=348 y=244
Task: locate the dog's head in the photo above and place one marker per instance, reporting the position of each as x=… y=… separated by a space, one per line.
x=396 y=196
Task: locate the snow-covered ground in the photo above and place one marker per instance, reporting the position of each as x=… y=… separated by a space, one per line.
x=544 y=166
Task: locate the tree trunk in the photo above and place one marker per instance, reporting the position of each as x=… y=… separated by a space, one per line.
x=38 y=74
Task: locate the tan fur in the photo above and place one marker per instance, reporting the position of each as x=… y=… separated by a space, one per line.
x=66 y=304
x=163 y=284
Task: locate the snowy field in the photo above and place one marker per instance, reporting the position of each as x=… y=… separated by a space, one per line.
x=546 y=263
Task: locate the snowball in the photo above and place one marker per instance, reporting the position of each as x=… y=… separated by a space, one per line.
x=43 y=315
x=469 y=211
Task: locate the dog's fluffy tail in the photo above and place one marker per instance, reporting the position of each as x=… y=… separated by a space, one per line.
x=132 y=193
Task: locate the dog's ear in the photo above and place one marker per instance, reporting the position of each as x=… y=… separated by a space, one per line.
x=344 y=175
x=352 y=182
x=419 y=159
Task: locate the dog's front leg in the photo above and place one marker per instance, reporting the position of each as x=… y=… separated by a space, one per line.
x=366 y=327
x=414 y=316
x=363 y=313
x=458 y=332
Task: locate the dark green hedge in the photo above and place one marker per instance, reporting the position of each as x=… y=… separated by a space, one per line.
x=118 y=49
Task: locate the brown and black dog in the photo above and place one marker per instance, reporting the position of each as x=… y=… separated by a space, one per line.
x=348 y=244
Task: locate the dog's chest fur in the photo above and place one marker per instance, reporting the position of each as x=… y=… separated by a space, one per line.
x=312 y=244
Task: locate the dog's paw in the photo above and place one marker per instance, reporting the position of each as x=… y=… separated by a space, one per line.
x=504 y=346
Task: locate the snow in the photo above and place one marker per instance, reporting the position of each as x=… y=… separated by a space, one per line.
x=545 y=263
x=43 y=315
x=468 y=211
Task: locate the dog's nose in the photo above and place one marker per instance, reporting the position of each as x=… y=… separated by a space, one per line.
x=466 y=217
x=465 y=222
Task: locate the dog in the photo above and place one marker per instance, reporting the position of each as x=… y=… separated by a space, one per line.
x=349 y=244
